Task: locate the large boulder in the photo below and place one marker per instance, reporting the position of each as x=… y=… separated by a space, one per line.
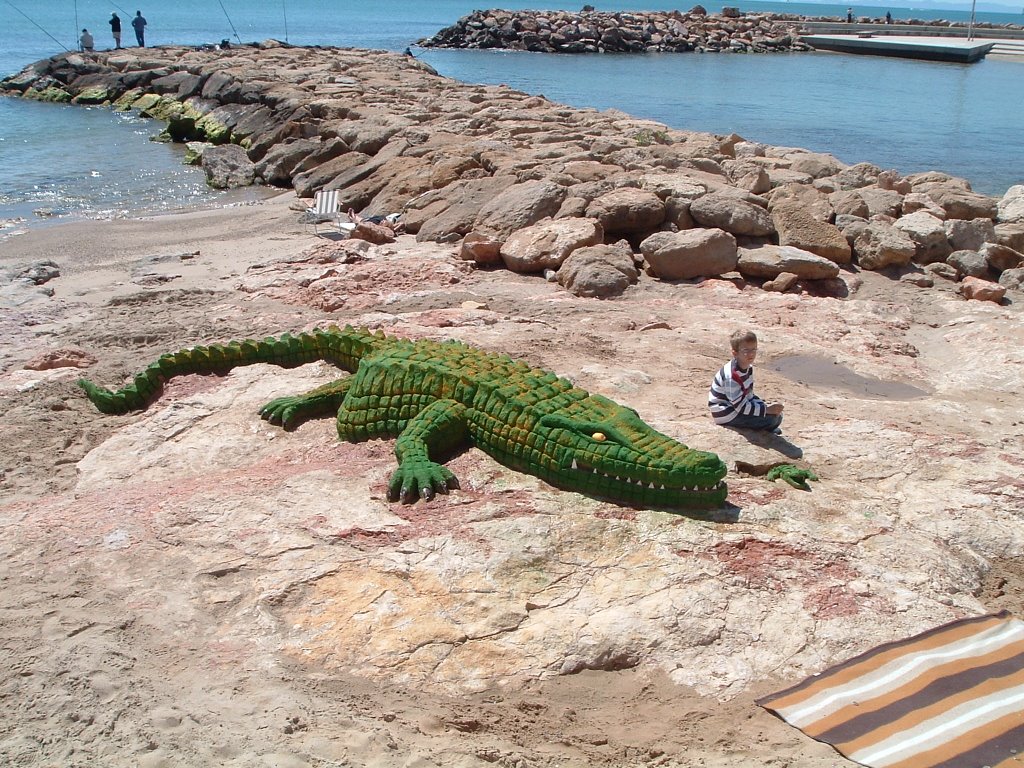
x=233 y=122
x=571 y=208
x=969 y=263
x=892 y=180
x=519 y=206
x=1012 y=279
x=436 y=215
x=599 y=271
x=1011 y=207
x=307 y=182
x=959 y=203
x=1000 y=258
x=882 y=202
x=798 y=227
x=816 y=165
x=929 y=180
x=279 y=164
x=770 y=261
x=748 y=175
x=721 y=210
x=688 y=254
x=358 y=185
x=929 y=236
x=368 y=135
x=548 y=243
x=589 y=170
x=673 y=185
x=181 y=85
x=814 y=202
x=856 y=176
x=1011 y=235
x=394 y=184
x=628 y=211
x=969 y=234
x=848 y=202
x=778 y=177
x=228 y=166
x=919 y=201
x=878 y=245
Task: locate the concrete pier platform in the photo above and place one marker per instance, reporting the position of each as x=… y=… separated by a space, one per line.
x=951 y=49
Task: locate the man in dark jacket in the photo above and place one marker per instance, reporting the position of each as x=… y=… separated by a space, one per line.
x=139 y=23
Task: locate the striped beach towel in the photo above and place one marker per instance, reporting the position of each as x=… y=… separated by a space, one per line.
x=952 y=697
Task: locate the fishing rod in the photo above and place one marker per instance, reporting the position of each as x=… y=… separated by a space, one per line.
x=230 y=22
x=58 y=42
x=284 y=10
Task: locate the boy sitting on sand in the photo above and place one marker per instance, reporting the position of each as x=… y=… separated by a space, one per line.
x=731 y=398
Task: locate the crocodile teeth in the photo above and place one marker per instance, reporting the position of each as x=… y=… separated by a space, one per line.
x=575 y=465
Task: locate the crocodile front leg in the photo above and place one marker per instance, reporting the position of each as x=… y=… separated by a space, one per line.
x=439 y=427
x=289 y=412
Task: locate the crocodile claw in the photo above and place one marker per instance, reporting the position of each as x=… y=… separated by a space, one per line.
x=281 y=412
x=420 y=480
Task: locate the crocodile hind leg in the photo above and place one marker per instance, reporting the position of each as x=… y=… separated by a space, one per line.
x=289 y=412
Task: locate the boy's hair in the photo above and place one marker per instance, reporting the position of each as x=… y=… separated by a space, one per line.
x=738 y=337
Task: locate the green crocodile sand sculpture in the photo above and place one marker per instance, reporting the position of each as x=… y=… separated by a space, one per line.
x=436 y=396
x=792 y=474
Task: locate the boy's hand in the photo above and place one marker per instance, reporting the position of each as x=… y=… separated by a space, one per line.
x=774 y=409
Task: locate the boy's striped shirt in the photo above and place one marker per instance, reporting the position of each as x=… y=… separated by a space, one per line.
x=732 y=394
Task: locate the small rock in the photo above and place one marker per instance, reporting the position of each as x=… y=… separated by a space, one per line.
x=920 y=279
x=943 y=270
x=782 y=283
x=39 y=273
x=982 y=290
x=480 y=249
x=67 y=357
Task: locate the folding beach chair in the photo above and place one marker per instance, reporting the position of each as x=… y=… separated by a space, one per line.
x=324 y=209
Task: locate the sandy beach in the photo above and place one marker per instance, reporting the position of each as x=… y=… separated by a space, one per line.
x=180 y=586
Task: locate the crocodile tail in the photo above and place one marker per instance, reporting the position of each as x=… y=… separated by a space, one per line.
x=344 y=348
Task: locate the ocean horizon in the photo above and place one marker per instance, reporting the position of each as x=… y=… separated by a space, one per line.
x=70 y=161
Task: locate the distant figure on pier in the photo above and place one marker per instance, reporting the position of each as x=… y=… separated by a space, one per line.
x=139 y=25
x=849 y=15
x=888 y=17
x=115 y=29
x=86 y=41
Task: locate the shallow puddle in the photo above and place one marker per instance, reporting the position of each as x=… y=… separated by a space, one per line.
x=822 y=372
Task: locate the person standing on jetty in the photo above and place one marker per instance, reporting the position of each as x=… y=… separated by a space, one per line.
x=139 y=25
x=849 y=15
x=888 y=17
x=731 y=397
x=86 y=41
x=115 y=29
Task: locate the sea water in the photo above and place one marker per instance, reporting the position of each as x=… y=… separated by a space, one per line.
x=62 y=160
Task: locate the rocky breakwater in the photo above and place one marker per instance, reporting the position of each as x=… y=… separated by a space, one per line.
x=622 y=32
x=583 y=197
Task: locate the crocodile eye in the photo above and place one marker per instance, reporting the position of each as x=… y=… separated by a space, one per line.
x=599 y=436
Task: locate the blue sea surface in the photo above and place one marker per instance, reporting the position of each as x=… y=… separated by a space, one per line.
x=907 y=115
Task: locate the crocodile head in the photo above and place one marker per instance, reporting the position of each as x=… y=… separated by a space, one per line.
x=600 y=448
